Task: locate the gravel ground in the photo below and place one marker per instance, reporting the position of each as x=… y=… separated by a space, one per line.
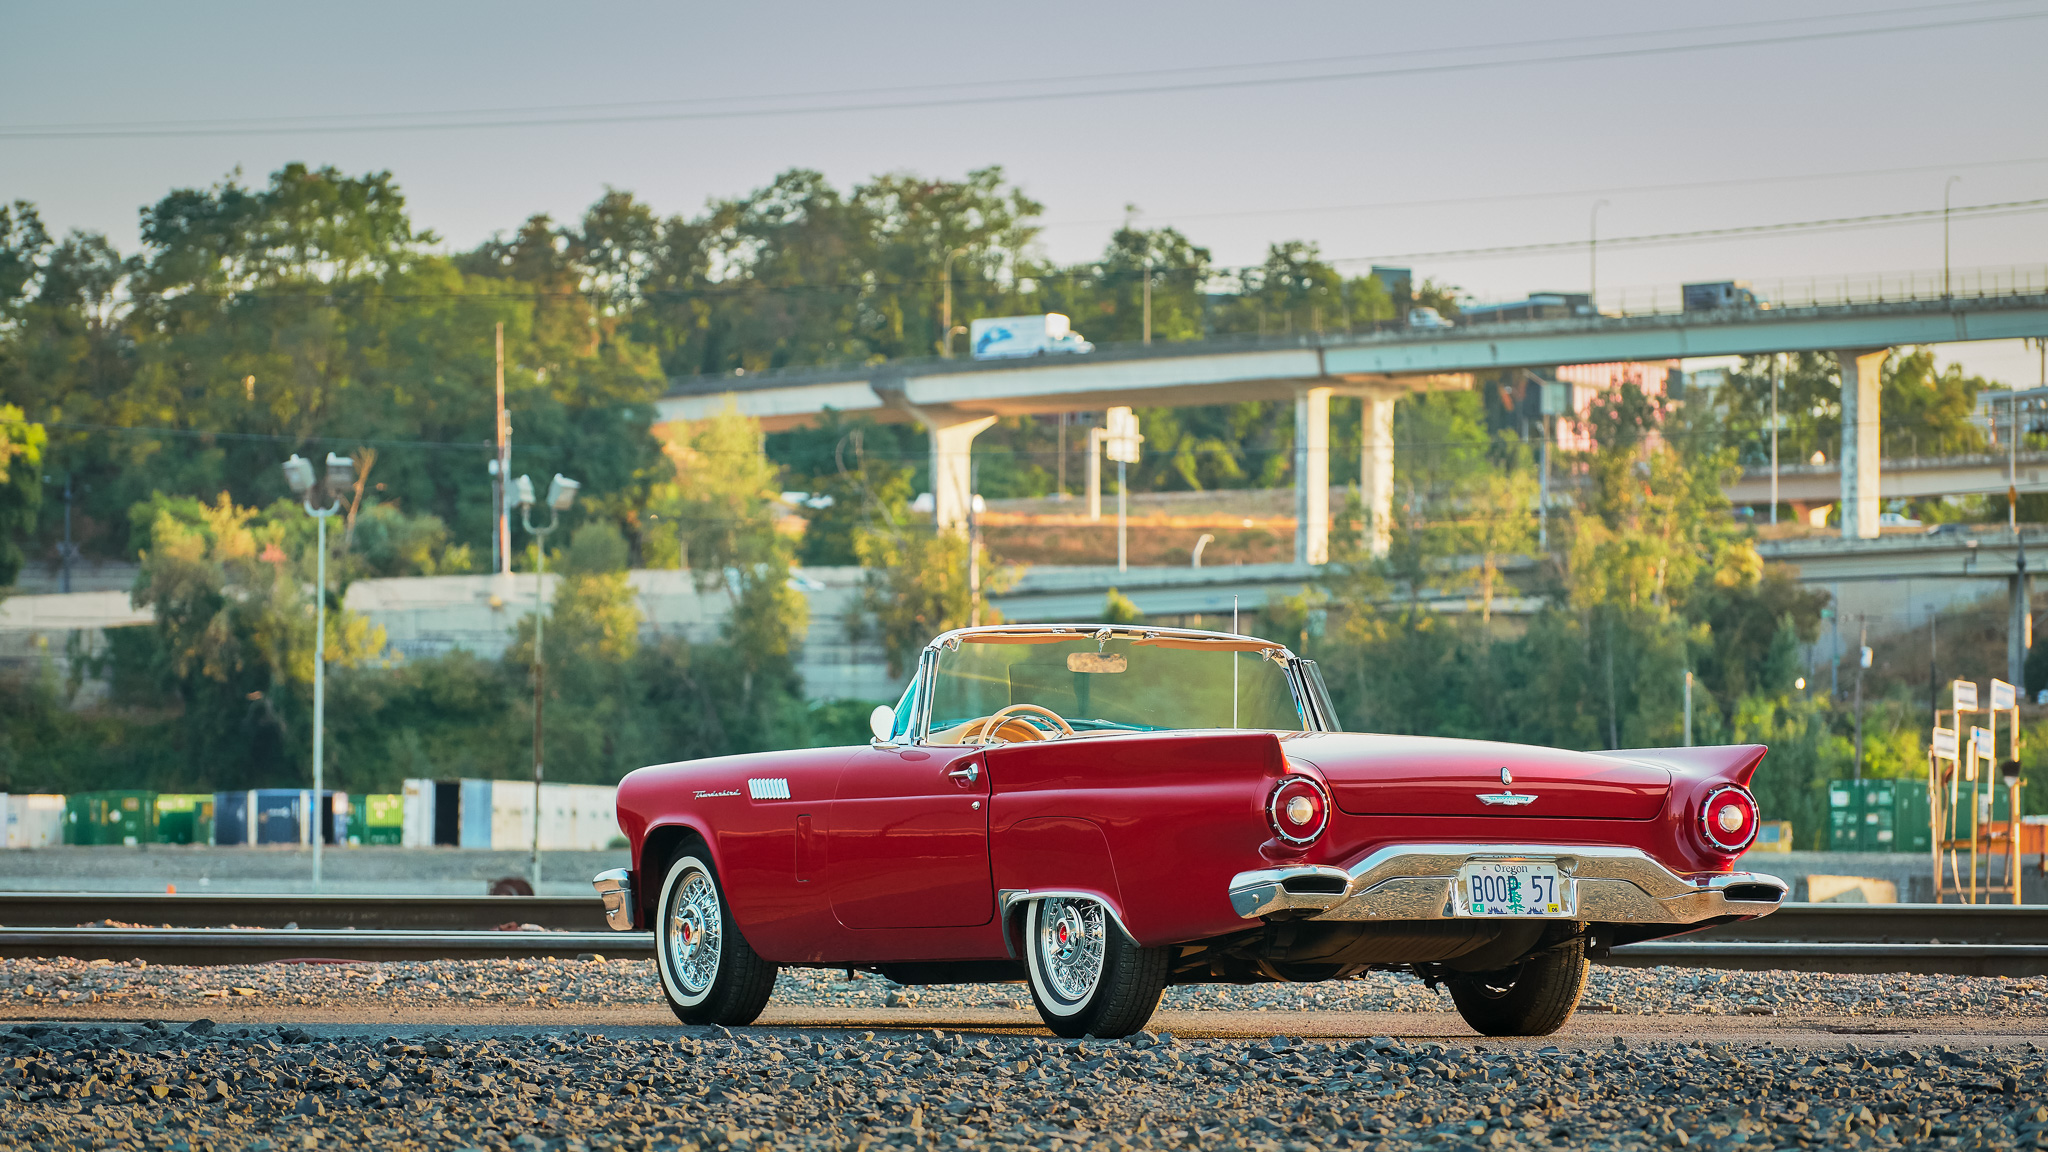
x=564 y=983
x=202 y=1086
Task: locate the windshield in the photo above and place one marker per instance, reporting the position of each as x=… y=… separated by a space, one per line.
x=1122 y=683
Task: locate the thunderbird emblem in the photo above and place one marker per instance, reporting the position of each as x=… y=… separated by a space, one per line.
x=1505 y=798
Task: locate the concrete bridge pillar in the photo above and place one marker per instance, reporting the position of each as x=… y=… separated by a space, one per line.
x=1376 y=471
x=952 y=464
x=1862 y=445
x=1312 y=475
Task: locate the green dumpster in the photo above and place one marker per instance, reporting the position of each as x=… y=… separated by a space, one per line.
x=123 y=817
x=376 y=819
x=184 y=818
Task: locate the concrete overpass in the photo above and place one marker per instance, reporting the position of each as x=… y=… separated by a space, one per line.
x=955 y=400
x=1908 y=478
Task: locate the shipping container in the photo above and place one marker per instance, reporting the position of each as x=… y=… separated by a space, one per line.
x=119 y=817
x=1878 y=816
x=33 y=820
x=184 y=818
x=234 y=818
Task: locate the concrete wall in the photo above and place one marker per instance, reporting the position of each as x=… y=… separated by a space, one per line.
x=431 y=615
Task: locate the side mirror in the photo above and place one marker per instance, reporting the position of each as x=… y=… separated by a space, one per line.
x=882 y=721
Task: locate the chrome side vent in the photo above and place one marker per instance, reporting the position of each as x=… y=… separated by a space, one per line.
x=768 y=789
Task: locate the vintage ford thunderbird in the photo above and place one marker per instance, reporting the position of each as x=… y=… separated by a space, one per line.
x=1101 y=811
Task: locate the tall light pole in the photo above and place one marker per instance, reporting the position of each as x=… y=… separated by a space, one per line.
x=1952 y=182
x=298 y=472
x=946 y=328
x=1593 y=258
x=561 y=494
x=1775 y=362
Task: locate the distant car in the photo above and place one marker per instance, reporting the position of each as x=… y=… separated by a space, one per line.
x=1895 y=520
x=1098 y=811
x=1428 y=318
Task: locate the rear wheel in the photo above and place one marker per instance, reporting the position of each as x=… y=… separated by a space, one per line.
x=1532 y=998
x=709 y=973
x=1087 y=977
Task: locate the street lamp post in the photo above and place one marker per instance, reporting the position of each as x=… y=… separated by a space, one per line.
x=298 y=472
x=1952 y=182
x=561 y=494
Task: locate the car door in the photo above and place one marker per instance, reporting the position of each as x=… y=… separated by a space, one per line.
x=906 y=845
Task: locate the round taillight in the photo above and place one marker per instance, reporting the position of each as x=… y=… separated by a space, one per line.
x=1728 y=818
x=1298 y=809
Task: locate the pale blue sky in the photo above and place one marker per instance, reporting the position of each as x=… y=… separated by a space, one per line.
x=1233 y=167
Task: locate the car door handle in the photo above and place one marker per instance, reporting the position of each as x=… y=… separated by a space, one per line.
x=969 y=774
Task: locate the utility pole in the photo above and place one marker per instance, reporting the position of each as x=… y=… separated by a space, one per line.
x=1952 y=182
x=946 y=306
x=973 y=548
x=501 y=514
x=1593 y=258
x=70 y=550
x=1063 y=456
x=1775 y=362
x=1688 y=708
x=1148 y=301
x=1862 y=662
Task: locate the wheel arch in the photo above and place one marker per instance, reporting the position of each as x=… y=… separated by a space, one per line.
x=661 y=845
x=1015 y=902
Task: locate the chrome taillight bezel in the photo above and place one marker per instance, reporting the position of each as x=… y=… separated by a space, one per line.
x=1283 y=787
x=1712 y=834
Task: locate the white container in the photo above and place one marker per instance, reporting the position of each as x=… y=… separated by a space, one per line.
x=1009 y=337
x=32 y=820
x=418 y=830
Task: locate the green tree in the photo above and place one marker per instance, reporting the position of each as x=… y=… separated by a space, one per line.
x=21 y=486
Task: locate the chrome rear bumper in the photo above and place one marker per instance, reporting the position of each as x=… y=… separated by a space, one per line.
x=1417 y=882
x=615 y=888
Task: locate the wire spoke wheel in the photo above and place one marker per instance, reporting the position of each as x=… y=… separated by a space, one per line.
x=1088 y=977
x=1070 y=940
x=709 y=973
x=694 y=933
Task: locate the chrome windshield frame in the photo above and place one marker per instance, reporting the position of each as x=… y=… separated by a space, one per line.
x=1311 y=699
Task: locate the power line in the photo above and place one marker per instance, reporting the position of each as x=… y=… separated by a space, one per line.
x=885 y=105
x=1560 y=194
x=1840 y=223
x=312 y=119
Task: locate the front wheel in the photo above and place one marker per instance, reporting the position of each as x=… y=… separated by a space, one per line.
x=708 y=971
x=1532 y=998
x=1087 y=977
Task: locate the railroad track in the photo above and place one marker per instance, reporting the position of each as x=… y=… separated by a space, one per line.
x=1986 y=940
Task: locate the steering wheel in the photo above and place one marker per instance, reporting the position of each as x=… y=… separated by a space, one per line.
x=986 y=730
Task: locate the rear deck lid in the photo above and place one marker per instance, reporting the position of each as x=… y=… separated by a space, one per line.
x=1374 y=775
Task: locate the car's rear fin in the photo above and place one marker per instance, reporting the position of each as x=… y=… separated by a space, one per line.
x=1737 y=762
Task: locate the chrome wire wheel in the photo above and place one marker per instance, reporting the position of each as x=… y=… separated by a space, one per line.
x=693 y=934
x=1070 y=940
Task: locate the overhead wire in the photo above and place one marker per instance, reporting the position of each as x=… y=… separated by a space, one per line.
x=957 y=101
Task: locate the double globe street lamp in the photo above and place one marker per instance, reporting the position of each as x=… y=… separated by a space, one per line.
x=561 y=494
x=340 y=476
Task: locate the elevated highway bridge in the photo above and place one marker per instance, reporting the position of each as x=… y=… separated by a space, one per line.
x=955 y=400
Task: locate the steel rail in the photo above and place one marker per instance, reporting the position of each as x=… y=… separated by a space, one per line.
x=1792 y=923
x=420 y=913
x=217 y=946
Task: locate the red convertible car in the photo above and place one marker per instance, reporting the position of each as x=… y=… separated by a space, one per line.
x=1101 y=811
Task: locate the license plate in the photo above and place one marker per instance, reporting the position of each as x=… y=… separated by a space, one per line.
x=1512 y=889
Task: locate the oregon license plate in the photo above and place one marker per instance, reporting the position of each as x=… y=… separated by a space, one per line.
x=1508 y=888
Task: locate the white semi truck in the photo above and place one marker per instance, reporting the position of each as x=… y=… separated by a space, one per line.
x=1008 y=337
